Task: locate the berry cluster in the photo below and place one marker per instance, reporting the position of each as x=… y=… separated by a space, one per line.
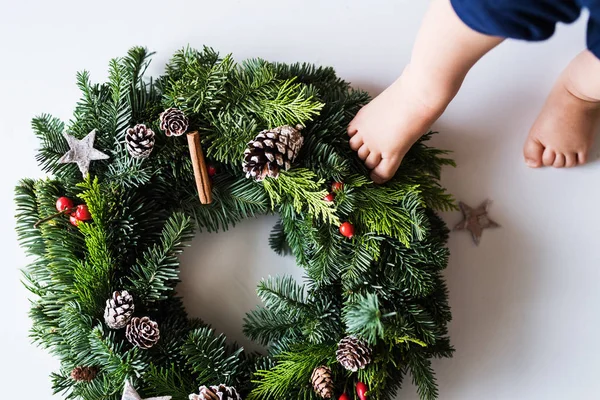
x=77 y=214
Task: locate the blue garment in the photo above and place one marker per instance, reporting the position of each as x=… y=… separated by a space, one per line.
x=528 y=19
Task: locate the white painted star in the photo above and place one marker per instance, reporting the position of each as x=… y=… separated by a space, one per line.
x=82 y=152
x=129 y=393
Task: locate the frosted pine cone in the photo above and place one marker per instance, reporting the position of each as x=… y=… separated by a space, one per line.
x=322 y=382
x=142 y=332
x=173 y=122
x=140 y=141
x=353 y=353
x=220 y=392
x=271 y=151
x=119 y=309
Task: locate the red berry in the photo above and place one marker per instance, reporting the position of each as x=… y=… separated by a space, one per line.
x=64 y=203
x=82 y=213
x=212 y=171
x=330 y=197
x=74 y=221
x=344 y=397
x=361 y=390
x=337 y=186
x=347 y=229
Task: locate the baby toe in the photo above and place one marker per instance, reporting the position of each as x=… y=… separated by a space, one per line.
x=548 y=157
x=581 y=157
x=363 y=152
x=532 y=151
x=372 y=160
x=355 y=142
x=352 y=130
x=570 y=160
x=385 y=170
x=559 y=160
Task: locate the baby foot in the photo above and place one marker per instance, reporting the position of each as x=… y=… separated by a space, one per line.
x=563 y=132
x=385 y=129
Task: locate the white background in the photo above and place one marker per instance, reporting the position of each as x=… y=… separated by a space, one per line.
x=525 y=302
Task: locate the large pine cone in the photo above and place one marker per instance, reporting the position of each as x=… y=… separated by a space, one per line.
x=140 y=141
x=322 y=382
x=142 y=332
x=272 y=150
x=173 y=122
x=353 y=353
x=119 y=309
x=220 y=392
x=84 y=374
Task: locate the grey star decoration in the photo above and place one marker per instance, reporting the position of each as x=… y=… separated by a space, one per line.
x=129 y=393
x=82 y=152
x=475 y=220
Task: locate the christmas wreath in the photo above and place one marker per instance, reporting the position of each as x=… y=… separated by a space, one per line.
x=248 y=139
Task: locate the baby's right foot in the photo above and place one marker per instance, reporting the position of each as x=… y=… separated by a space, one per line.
x=385 y=129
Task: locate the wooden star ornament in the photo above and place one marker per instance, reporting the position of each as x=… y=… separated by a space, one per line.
x=82 y=152
x=475 y=220
x=129 y=393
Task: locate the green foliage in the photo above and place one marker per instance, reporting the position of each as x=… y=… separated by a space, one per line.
x=384 y=285
x=291 y=373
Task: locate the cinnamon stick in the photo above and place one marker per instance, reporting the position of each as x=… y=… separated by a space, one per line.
x=200 y=168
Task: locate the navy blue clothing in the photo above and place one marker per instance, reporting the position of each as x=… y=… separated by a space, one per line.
x=528 y=19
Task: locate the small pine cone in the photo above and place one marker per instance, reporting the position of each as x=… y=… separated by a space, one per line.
x=84 y=374
x=322 y=382
x=119 y=309
x=142 y=332
x=220 y=392
x=353 y=353
x=272 y=150
x=173 y=122
x=140 y=141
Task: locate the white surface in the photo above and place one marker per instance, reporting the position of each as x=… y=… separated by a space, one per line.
x=525 y=302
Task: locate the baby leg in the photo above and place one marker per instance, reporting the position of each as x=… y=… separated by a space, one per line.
x=445 y=50
x=563 y=132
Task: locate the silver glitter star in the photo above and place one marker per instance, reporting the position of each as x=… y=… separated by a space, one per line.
x=475 y=220
x=82 y=152
x=129 y=393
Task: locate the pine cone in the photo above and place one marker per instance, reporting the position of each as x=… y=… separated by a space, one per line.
x=119 y=309
x=140 y=141
x=353 y=353
x=220 y=392
x=142 y=332
x=84 y=374
x=271 y=150
x=322 y=382
x=173 y=122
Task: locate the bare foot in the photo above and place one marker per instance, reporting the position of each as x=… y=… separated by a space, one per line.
x=385 y=129
x=445 y=50
x=563 y=132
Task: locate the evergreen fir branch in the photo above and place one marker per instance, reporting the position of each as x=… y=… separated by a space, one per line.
x=109 y=353
x=157 y=272
x=395 y=211
x=326 y=251
x=364 y=318
x=363 y=253
x=423 y=376
x=282 y=294
x=267 y=326
x=292 y=372
x=300 y=188
x=53 y=145
x=169 y=381
x=208 y=356
x=75 y=327
x=228 y=136
x=277 y=240
x=30 y=238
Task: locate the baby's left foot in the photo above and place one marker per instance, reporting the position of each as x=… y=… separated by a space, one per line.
x=563 y=132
